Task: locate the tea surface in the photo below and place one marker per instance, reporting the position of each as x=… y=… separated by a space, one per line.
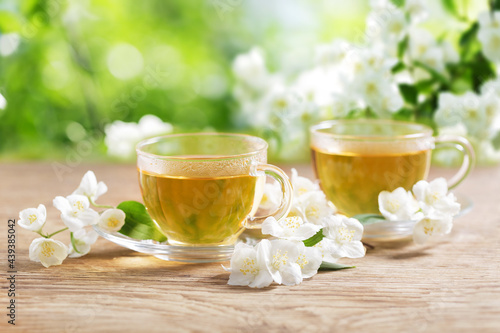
x=352 y=181
x=192 y=211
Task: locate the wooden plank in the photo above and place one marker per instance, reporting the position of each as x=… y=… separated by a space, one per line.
x=450 y=285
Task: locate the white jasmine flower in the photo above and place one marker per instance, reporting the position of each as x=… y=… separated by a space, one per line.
x=388 y=26
x=281 y=261
x=75 y=211
x=417 y=9
x=389 y=102
x=490 y=107
x=271 y=197
x=398 y=205
x=491 y=87
x=250 y=68
x=90 y=188
x=3 y=102
x=428 y=227
x=312 y=206
x=82 y=241
x=248 y=266
x=332 y=53
x=473 y=117
x=291 y=228
x=326 y=249
x=434 y=58
x=33 y=218
x=420 y=41
x=449 y=112
x=434 y=199
x=344 y=237
x=150 y=125
x=309 y=260
x=302 y=185
x=48 y=251
x=122 y=137
x=489 y=35
x=450 y=54
x=112 y=220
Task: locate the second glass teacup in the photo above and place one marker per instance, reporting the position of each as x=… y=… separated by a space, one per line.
x=355 y=160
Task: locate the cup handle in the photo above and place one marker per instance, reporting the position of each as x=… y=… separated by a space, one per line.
x=280 y=176
x=463 y=145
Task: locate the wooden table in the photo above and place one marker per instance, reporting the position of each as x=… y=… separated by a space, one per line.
x=450 y=285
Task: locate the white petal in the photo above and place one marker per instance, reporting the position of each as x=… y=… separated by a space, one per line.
x=262 y=280
x=73 y=223
x=352 y=250
x=271 y=227
x=62 y=204
x=291 y=274
x=313 y=259
x=101 y=189
x=305 y=231
x=89 y=217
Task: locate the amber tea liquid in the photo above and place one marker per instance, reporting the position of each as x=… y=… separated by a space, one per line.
x=199 y=210
x=352 y=181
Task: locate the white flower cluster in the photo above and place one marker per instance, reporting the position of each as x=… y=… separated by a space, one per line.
x=77 y=216
x=430 y=204
x=489 y=35
x=121 y=137
x=476 y=116
x=345 y=77
x=287 y=260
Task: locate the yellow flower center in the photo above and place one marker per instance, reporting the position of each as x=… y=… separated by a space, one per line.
x=302 y=190
x=345 y=234
x=312 y=211
x=113 y=222
x=302 y=261
x=78 y=205
x=248 y=267
x=47 y=249
x=279 y=259
x=393 y=205
x=292 y=222
x=32 y=218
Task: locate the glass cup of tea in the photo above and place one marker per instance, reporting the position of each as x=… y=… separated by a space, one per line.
x=357 y=159
x=203 y=189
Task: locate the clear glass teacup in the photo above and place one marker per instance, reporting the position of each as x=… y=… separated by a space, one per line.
x=203 y=189
x=357 y=159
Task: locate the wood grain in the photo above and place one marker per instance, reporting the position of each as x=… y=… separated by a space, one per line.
x=450 y=285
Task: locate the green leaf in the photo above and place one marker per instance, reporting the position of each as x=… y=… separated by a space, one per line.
x=398 y=3
x=398 y=67
x=450 y=7
x=405 y=114
x=469 y=35
x=494 y=5
x=366 y=219
x=314 y=239
x=435 y=74
x=482 y=70
x=402 y=46
x=328 y=266
x=496 y=141
x=138 y=223
x=409 y=92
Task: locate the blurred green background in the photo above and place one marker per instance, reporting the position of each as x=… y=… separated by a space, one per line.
x=68 y=67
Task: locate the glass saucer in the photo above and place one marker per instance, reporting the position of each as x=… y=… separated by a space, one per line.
x=165 y=251
x=397 y=230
